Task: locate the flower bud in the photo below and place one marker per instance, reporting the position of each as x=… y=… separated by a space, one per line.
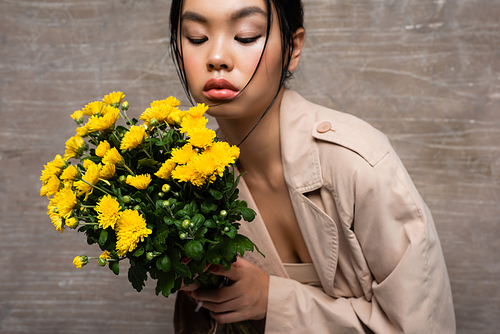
x=183 y=236
x=137 y=208
x=161 y=194
x=150 y=256
x=185 y=223
x=102 y=262
x=127 y=199
x=125 y=105
x=71 y=222
x=223 y=213
x=226 y=229
x=154 y=122
x=80 y=261
x=165 y=204
x=122 y=178
x=165 y=188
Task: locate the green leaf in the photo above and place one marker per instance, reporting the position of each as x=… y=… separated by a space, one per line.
x=137 y=275
x=248 y=214
x=232 y=232
x=114 y=266
x=194 y=250
x=165 y=284
x=151 y=163
x=201 y=233
x=215 y=193
x=210 y=223
x=138 y=252
x=163 y=263
x=182 y=269
x=207 y=207
x=103 y=237
x=198 y=220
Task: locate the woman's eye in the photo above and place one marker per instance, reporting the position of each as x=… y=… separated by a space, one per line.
x=197 y=41
x=247 y=40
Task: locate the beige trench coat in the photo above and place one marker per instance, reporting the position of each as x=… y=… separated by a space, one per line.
x=371 y=237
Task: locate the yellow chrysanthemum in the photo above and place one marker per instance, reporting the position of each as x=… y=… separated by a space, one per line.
x=204 y=164
x=159 y=112
x=112 y=156
x=130 y=229
x=169 y=101
x=107 y=171
x=77 y=116
x=57 y=221
x=176 y=116
x=198 y=110
x=184 y=154
x=94 y=108
x=75 y=146
x=185 y=173
x=66 y=201
x=91 y=177
x=71 y=222
x=140 y=182
x=51 y=187
x=83 y=131
x=223 y=154
x=105 y=122
x=190 y=123
x=102 y=148
x=112 y=98
x=108 y=210
x=53 y=167
x=166 y=169
x=80 y=261
x=105 y=255
x=133 y=138
x=201 y=137
x=69 y=174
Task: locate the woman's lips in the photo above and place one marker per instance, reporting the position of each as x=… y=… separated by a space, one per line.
x=219 y=89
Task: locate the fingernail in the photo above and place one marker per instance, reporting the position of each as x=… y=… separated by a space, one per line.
x=214 y=269
x=188 y=293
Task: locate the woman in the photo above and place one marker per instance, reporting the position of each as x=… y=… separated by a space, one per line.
x=350 y=246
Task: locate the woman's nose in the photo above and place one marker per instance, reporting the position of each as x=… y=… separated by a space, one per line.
x=219 y=57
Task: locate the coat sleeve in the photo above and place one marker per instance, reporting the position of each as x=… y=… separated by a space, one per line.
x=394 y=252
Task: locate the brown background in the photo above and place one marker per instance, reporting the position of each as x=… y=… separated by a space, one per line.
x=425 y=72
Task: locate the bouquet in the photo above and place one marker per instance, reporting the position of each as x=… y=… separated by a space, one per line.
x=162 y=194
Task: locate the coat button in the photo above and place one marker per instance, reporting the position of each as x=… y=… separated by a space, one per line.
x=324 y=127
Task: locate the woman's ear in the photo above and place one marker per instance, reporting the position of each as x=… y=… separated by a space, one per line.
x=298 y=43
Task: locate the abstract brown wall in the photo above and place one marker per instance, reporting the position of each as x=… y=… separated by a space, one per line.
x=427 y=73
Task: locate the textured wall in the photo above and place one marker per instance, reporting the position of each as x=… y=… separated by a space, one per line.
x=425 y=72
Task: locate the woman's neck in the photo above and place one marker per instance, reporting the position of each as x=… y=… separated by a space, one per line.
x=261 y=150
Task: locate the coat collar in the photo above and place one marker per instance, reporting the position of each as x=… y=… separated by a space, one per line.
x=299 y=151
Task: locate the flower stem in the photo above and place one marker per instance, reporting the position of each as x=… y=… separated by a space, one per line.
x=98 y=188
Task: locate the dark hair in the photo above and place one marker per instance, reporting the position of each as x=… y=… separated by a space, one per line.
x=290 y=18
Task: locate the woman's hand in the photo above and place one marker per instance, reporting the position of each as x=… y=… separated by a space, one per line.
x=244 y=298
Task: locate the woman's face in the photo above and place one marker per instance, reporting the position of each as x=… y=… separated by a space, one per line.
x=222 y=42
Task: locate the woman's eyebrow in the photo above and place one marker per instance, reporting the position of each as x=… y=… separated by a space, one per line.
x=238 y=15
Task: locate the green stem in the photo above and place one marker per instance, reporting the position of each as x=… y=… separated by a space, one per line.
x=149 y=198
x=144 y=150
x=98 y=188
x=128 y=169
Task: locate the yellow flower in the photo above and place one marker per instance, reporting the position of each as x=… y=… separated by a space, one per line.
x=201 y=137
x=190 y=123
x=70 y=173
x=204 y=164
x=169 y=101
x=71 y=222
x=185 y=173
x=108 y=210
x=223 y=154
x=51 y=187
x=80 y=261
x=166 y=169
x=75 y=146
x=112 y=98
x=91 y=177
x=133 y=138
x=176 y=116
x=140 y=182
x=198 y=110
x=66 y=201
x=102 y=148
x=130 y=229
x=107 y=171
x=53 y=167
x=159 y=112
x=78 y=116
x=112 y=156
x=94 y=108
x=184 y=154
x=57 y=221
x=83 y=131
x=105 y=255
x=108 y=119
